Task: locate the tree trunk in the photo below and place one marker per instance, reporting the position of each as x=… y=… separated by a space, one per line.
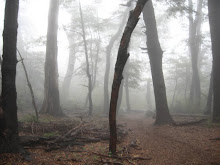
x=9 y=139
x=70 y=67
x=119 y=66
x=155 y=54
x=148 y=96
x=120 y=96
x=87 y=62
x=51 y=103
x=208 y=108
x=214 y=21
x=195 y=47
x=108 y=61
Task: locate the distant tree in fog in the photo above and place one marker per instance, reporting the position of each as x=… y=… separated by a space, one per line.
x=87 y=61
x=51 y=103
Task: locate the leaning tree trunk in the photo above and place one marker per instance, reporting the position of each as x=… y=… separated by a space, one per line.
x=51 y=103
x=121 y=90
x=108 y=60
x=195 y=47
x=87 y=62
x=119 y=66
x=9 y=139
x=155 y=54
x=208 y=108
x=214 y=21
x=29 y=85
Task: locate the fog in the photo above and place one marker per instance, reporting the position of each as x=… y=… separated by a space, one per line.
x=102 y=20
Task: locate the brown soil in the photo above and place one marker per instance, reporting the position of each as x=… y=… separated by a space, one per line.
x=162 y=145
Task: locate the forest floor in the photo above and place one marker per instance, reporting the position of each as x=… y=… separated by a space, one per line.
x=140 y=142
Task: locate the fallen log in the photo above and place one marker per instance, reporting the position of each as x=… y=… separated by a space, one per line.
x=188 y=123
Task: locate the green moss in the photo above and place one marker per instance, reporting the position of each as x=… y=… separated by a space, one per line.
x=29 y=119
x=51 y=134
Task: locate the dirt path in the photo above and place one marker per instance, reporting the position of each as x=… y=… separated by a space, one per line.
x=174 y=145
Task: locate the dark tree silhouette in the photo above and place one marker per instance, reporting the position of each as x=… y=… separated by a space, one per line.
x=214 y=21
x=51 y=103
x=155 y=54
x=119 y=67
x=9 y=139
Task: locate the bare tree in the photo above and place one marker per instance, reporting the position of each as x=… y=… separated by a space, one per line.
x=87 y=61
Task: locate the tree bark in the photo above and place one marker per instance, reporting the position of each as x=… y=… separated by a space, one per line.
x=214 y=21
x=119 y=66
x=155 y=54
x=108 y=61
x=51 y=103
x=121 y=90
x=9 y=139
x=87 y=62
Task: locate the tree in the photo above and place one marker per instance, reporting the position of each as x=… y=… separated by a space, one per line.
x=9 y=139
x=108 y=60
x=87 y=62
x=155 y=54
x=51 y=103
x=119 y=67
x=214 y=21
x=71 y=64
x=194 y=48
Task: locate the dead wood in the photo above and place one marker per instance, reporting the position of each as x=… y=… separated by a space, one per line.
x=74 y=131
x=188 y=123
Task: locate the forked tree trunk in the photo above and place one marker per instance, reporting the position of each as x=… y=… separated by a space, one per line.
x=108 y=61
x=51 y=103
x=214 y=21
x=9 y=139
x=119 y=66
x=155 y=54
x=87 y=62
